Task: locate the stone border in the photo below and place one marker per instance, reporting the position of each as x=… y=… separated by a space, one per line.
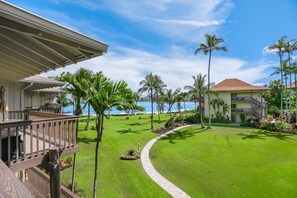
x=169 y=187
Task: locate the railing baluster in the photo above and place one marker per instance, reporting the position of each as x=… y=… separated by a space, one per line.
x=43 y=136
x=31 y=141
x=69 y=131
x=24 y=142
x=49 y=134
x=17 y=143
x=74 y=132
x=65 y=135
x=54 y=129
x=0 y=143
x=37 y=141
x=9 y=147
x=59 y=129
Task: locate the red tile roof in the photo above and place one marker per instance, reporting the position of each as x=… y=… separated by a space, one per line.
x=292 y=85
x=235 y=84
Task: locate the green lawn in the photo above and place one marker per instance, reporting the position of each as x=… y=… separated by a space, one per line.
x=229 y=162
x=117 y=178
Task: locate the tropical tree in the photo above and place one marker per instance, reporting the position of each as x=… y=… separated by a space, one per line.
x=149 y=85
x=212 y=44
x=183 y=96
x=170 y=98
x=197 y=90
x=279 y=49
x=102 y=95
x=62 y=100
x=273 y=97
x=159 y=89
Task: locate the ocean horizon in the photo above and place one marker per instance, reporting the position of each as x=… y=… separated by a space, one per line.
x=146 y=105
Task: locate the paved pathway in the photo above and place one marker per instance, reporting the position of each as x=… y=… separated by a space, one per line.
x=172 y=189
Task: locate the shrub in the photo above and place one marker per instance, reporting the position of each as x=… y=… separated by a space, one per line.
x=170 y=122
x=78 y=191
x=193 y=119
x=131 y=155
x=242 y=118
x=264 y=124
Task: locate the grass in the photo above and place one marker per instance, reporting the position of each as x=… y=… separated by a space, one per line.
x=229 y=162
x=117 y=178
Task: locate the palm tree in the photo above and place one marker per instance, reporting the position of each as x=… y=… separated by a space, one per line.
x=290 y=47
x=77 y=84
x=212 y=44
x=62 y=100
x=170 y=98
x=198 y=90
x=183 y=97
x=279 y=48
x=148 y=85
x=159 y=89
x=103 y=95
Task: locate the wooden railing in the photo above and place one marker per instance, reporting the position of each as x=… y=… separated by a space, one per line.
x=41 y=181
x=46 y=109
x=24 y=140
x=241 y=110
x=10 y=185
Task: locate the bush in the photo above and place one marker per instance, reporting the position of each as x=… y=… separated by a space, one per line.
x=242 y=118
x=264 y=124
x=193 y=119
x=78 y=191
x=170 y=122
x=131 y=155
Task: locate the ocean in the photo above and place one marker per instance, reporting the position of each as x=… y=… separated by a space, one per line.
x=146 y=105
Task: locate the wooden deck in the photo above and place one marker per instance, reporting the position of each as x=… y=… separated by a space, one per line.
x=10 y=186
x=30 y=139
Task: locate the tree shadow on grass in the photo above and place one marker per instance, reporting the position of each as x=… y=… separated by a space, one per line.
x=125 y=131
x=182 y=134
x=263 y=135
x=86 y=140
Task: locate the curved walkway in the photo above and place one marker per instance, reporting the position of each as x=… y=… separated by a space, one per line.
x=172 y=189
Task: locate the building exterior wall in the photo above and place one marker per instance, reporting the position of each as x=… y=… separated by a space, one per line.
x=245 y=105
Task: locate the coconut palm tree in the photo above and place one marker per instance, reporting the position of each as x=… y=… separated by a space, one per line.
x=183 y=97
x=290 y=47
x=104 y=94
x=198 y=89
x=212 y=44
x=159 y=89
x=62 y=100
x=76 y=85
x=149 y=85
x=170 y=98
x=279 y=49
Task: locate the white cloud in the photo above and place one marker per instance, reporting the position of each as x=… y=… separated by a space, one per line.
x=176 y=71
x=177 y=19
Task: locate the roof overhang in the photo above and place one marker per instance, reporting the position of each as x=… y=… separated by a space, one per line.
x=39 y=83
x=30 y=44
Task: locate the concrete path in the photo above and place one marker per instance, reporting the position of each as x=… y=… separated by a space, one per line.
x=172 y=189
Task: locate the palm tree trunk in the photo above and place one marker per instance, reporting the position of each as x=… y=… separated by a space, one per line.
x=96 y=154
x=152 y=106
x=296 y=97
x=159 y=109
x=208 y=94
x=200 y=112
x=282 y=83
x=78 y=108
x=88 y=120
x=185 y=108
x=290 y=73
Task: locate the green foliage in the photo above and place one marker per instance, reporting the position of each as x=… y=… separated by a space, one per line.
x=192 y=119
x=277 y=126
x=242 y=118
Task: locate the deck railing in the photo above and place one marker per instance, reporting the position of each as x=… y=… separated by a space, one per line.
x=41 y=181
x=23 y=140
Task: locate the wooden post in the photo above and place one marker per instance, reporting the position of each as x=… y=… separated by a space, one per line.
x=262 y=106
x=74 y=159
x=54 y=171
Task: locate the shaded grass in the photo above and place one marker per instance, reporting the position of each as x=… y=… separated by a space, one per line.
x=117 y=178
x=229 y=162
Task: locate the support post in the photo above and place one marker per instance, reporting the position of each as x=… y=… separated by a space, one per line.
x=54 y=171
x=73 y=173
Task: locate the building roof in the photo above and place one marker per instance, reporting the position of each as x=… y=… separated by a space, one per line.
x=49 y=90
x=30 y=44
x=235 y=84
x=39 y=83
x=292 y=85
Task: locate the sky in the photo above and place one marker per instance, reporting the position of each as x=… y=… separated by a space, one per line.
x=161 y=36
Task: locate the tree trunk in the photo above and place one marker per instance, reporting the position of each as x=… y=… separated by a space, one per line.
x=200 y=111
x=152 y=106
x=98 y=128
x=185 y=108
x=296 y=98
x=158 y=108
x=282 y=83
x=78 y=108
x=208 y=94
x=88 y=120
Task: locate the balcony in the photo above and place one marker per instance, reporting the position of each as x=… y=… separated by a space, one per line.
x=27 y=136
x=241 y=99
x=241 y=110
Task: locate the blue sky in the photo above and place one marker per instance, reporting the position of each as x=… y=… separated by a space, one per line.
x=161 y=36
